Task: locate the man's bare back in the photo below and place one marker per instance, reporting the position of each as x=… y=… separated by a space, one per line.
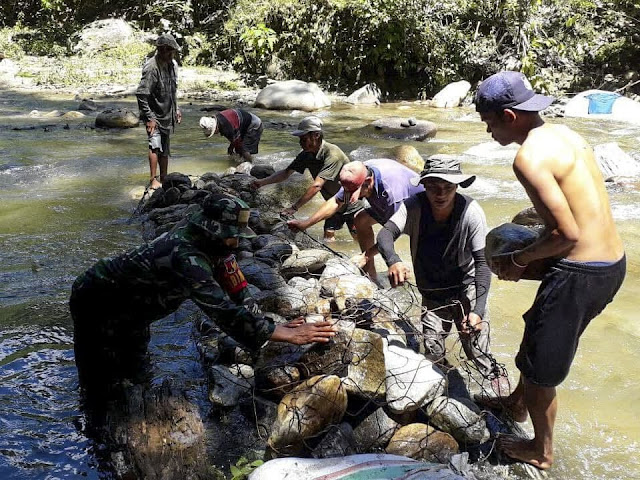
x=559 y=171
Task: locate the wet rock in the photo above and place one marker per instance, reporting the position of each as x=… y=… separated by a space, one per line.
x=194 y=196
x=452 y=95
x=292 y=95
x=285 y=300
x=306 y=261
x=339 y=441
x=277 y=380
x=260 y=412
x=366 y=371
x=88 y=104
x=615 y=163
x=262 y=171
x=530 y=218
x=457 y=419
x=370 y=94
x=510 y=237
x=225 y=388
x=350 y=289
x=261 y=275
x=375 y=431
x=412 y=380
x=306 y=411
x=117 y=118
x=335 y=268
x=238 y=182
x=332 y=358
x=422 y=442
x=178 y=180
x=404 y=129
x=244 y=167
x=276 y=252
x=73 y=115
x=408 y=156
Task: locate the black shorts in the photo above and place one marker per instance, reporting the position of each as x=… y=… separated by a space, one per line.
x=346 y=215
x=569 y=297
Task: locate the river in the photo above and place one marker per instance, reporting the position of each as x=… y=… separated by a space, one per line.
x=65 y=201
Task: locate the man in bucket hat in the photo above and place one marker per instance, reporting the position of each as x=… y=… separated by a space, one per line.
x=115 y=301
x=558 y=170
x=447 y=232
x=158 y=105
x=243 y=129
x=324 y=161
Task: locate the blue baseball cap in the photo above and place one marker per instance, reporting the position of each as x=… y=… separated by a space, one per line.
x=509 y=90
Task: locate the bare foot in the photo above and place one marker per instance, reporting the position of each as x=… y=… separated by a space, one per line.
x=517 y=411
x=524 y=451
x=154 y=184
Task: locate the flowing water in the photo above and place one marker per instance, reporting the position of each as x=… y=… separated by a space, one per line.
x=65 y=201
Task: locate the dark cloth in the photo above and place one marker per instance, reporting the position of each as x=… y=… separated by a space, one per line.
x=157 y=94
x=233 y=125
x=570 y=296
x=337 y=220
x=114 y=302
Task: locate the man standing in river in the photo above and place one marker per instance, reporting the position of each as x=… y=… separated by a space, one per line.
x=158 y=104
x=558 y=170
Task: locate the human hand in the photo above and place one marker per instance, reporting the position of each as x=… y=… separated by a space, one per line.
x=298 y=332
x=256 y=184
x=359 y=260
x=504 y=267
x=398 y=274
x=151 y=126
x=296 y=225
x=179 y=116
x=471 y=323
x=288 y=212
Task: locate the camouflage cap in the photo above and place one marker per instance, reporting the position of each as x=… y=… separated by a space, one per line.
x=224 y=216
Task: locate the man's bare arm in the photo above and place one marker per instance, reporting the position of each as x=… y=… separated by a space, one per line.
x=327 y=209
x=277 y=177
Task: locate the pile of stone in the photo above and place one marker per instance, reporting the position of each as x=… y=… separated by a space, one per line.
x=368 y=390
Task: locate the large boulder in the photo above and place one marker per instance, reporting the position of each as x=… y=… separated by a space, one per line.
x=306 y=411
x=510 y=237
x=401 y=128
x=306 y=261
x=101 y=34
x=623 y=109
x=451 y=95
x=423 y=442
x=412 y=381
x=408 y=156
x=458 y=419
x=117 y=118
x=292 y=95
x=614 y=162
x=369 y=94
x=366 y=371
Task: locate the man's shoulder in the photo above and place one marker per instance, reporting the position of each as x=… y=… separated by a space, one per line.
x=331 y=151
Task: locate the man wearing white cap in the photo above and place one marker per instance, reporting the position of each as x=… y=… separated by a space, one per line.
x=158 y=104
x=243 y=129
x=324 y=161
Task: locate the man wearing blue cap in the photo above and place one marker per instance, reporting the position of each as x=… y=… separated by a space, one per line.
x=558 y=170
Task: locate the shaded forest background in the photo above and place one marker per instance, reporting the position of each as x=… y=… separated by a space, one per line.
x=405 y=46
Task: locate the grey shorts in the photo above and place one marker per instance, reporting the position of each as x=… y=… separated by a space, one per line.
x=160 y=141
x=569 y=297
x=252 y=137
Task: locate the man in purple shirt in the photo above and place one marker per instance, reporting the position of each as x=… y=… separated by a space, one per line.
x=383 y=182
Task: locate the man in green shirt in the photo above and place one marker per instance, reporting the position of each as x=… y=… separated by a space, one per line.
x=324 y=161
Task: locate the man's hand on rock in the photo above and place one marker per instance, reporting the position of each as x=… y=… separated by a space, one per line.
x=398 y=274
x=296 y=225
x=300 y=333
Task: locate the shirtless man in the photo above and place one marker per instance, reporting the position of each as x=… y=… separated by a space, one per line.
x=558 y=170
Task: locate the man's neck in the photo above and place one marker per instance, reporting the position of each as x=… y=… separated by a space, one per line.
x=529 y=123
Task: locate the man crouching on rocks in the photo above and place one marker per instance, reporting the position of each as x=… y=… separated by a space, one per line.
x=115 y=301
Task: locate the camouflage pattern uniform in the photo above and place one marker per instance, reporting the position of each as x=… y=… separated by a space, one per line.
x=115 y=301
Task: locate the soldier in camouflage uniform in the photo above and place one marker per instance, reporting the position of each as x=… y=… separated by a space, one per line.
x=115 y=301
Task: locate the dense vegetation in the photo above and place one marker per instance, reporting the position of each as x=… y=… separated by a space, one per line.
x=410 y=46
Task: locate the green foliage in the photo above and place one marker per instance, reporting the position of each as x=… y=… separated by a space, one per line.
x=257 y=45
x=243 y=468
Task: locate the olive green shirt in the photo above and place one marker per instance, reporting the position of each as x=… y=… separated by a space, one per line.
x=325 y=164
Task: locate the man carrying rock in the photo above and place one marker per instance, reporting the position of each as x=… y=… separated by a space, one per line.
x=243 y=130
x=158 y=104
x=558 y=170
x=324 y=161
x=447 y=233
x=383 y=182
x=115 y=301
